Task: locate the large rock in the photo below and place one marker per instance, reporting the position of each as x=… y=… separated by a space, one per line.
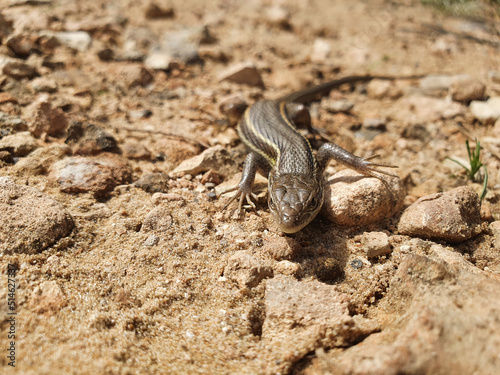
x=303 y=316
x=453 y=216
x=30 y=221
x=352 y=199
x=440 y=317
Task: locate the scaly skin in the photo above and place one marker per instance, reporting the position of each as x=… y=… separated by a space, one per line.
x=280 y=152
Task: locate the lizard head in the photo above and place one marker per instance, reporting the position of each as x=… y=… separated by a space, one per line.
x=294 y=200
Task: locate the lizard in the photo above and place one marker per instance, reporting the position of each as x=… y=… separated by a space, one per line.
x=295 y=174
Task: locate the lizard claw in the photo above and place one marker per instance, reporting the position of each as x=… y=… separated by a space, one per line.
x=241 y=194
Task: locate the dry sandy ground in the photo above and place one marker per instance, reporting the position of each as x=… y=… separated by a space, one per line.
x=156 y=283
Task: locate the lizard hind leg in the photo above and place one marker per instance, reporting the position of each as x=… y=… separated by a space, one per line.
x=373 y=165
x=364 y=166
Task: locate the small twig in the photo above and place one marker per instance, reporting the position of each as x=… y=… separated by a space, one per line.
x=168 y=135
x=426 y=28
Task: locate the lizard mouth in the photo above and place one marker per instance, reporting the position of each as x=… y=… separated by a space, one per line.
x=292 y=222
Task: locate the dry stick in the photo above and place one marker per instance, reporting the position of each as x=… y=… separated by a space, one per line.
x=168 y=135
x=440 y=30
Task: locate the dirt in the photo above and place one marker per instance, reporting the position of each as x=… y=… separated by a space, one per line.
x=142 y=284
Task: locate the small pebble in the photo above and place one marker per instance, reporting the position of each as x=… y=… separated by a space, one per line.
x=18 y=144
x=375 y=244
x=153 y=11
x=246 y=270
x=245 y=73
x=278 y=16
x=321 y=50
x=152 y=240
x=342 y=105
x=357 y=264
x=467 y=89
x=488 y=111
x=153 y=182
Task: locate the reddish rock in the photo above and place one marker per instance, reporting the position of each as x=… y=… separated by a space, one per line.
x=48 y=120
x=211 y=177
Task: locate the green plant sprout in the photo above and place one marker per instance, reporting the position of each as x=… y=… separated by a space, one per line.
x=475 y=165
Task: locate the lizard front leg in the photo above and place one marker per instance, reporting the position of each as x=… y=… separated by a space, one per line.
x=253 y=162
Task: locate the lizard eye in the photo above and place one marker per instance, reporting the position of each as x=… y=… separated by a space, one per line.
x=315 y=201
